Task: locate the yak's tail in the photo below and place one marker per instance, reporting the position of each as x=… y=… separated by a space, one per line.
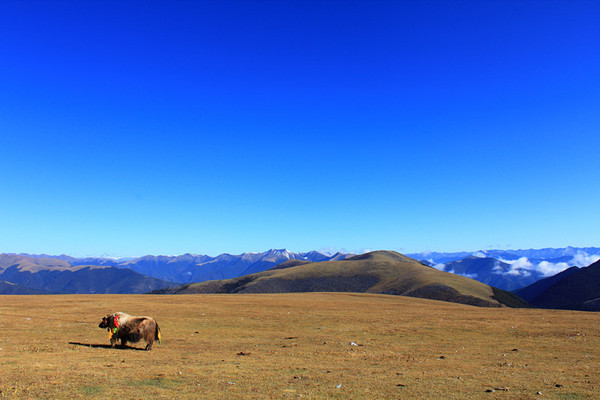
x=157 y=333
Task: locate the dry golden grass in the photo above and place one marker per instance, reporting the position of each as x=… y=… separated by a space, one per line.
x=272 y=346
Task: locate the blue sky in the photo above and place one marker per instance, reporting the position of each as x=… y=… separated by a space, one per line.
x=166 y=127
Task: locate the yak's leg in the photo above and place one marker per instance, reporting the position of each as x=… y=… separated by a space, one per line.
x=149 y=338
x=113 y=340
x=149 y=331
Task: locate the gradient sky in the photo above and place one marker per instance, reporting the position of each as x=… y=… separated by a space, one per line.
x=165 y=127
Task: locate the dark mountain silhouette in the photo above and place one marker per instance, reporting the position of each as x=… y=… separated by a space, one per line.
x=529 y=293
x=573 y=289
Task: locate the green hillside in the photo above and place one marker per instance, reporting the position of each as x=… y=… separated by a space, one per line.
x=384 y=272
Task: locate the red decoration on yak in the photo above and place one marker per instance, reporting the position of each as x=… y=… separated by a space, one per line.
x=115 y=323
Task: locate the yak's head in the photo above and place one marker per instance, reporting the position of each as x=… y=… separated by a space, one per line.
x=106 y=321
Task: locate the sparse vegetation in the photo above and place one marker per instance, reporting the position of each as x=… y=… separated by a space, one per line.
x=300 y=345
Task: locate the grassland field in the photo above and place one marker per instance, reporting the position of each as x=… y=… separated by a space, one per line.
x=309 y=345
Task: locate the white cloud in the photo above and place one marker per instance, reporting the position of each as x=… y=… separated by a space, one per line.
x=439 y=266
x=547 y=268
x=580 y=259
x=519 y=267
x=583 y=259
x=518 y=272
x=472 y=276
x=479 y=254
x=521 y=263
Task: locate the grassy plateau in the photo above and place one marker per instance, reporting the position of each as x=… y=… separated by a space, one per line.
x=300 y=345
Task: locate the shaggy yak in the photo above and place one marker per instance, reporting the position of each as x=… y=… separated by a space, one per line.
x=130 y=329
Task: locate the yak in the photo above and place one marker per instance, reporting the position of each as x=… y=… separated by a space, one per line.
x=128 y=328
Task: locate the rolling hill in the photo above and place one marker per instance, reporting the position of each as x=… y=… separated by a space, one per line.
x=384 y=272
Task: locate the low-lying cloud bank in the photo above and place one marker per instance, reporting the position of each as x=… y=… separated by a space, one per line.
x=524 y=267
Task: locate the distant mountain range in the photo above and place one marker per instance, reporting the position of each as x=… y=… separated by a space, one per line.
x=47 y=275
x=198 y=268
x=509 y=270
x=383 y=272
x=65 y=274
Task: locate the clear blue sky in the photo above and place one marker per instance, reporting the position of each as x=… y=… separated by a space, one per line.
x=165 y=127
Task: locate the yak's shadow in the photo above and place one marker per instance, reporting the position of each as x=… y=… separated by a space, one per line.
x=106 y=346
